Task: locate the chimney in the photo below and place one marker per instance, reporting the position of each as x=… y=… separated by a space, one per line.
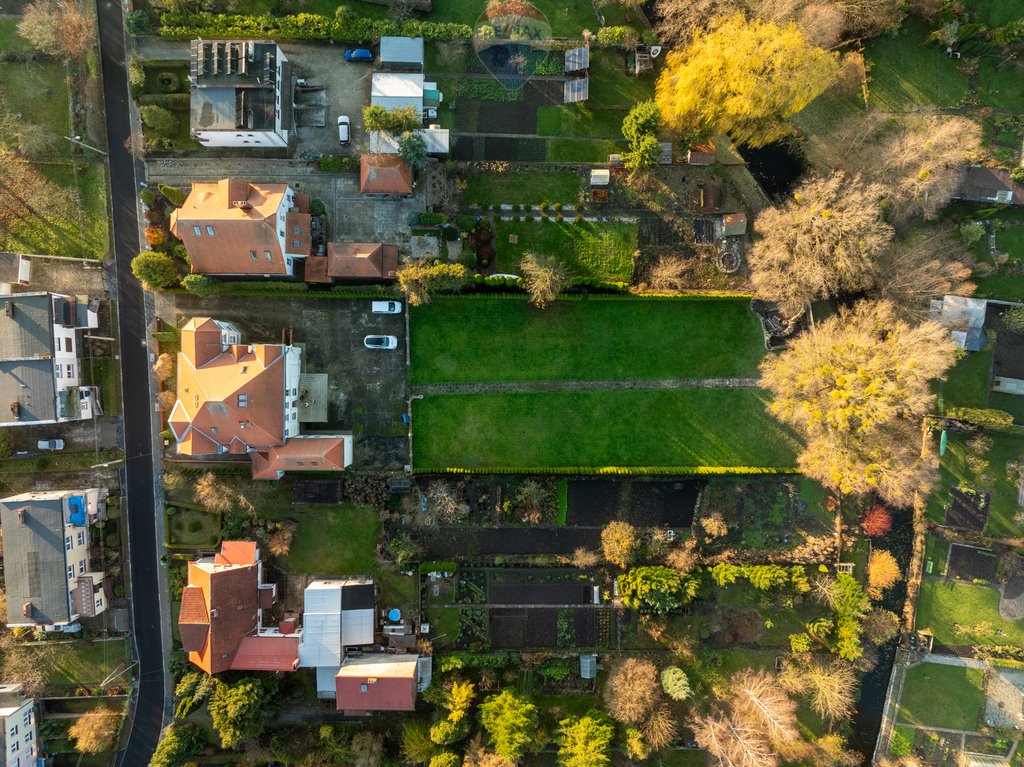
x=26 y=609
x=21 y=516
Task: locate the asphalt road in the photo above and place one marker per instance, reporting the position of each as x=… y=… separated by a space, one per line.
x=142 y=543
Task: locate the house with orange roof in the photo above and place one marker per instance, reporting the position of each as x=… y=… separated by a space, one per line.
x=222 y=611
x=384 y=175
x=239 y=228
x=354 y=262
x=239 y=399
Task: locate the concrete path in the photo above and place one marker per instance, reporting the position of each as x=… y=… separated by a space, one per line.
x=506 y=387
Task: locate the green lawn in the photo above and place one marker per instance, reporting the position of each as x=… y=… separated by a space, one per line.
x=1009 y=240
x=995 y=13
x=1011 y=403
x=10 y=40
x=472 y=340
x=105 y=373
x=79 y=231
x=907 y=73
x=38 y=91
x=342 y=540
x=945 y=604
x=571 y=150
x=967 y=384
x=87 y=663
x=937 y=550
x=523 y=188
x=611 y=86
x=600 y=251
x=189 y=527
x=579 y=120
x=942 y=696
x=954 y=470
x=1000 y=88
x=686 y=429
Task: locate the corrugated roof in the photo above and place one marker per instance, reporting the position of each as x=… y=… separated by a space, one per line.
x=34 y=561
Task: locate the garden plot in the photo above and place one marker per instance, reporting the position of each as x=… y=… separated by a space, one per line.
x=470 y=542
x=594 y=503
x=316 y=491
x=967 y=509
x=543 y=627
x=970 y=563
x=539 y=587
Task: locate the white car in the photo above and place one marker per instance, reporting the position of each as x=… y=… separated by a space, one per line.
x=381 y=342
x=386 y=307
x=344 y=131
x=50 y=444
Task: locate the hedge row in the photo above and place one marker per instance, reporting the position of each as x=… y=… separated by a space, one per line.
x=305 y=26
x=173 y=101
x=625 y=471
x=453 y=661
x=598 y=296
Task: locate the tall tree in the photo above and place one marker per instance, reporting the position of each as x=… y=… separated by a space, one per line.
x=412 y=148
x=632 y=690
x=821 y=244
x=883 y=572
x=95 y=731
x=180 y=742
x=585 y=741
x=856 y=387
x=757 y=697
x=744 y=78
x=154 y=270
x=511 y=723
x=546 y=277
x=65 y=28
x=733 y=743
x=240 y=711
x=656 y=589
x=420 y=281
x=830 y=686
x=619 y=542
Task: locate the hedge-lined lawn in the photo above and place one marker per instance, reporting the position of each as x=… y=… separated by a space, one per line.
x=579 y=120
x=599 y=251
x=945 y=604
x=574 y=150
x=954 y=470
x=522 y=188
x=683 y=428
x=967 y=384
x=475 y=339
x=935 y=695
x=907 y=72
x=87 y=663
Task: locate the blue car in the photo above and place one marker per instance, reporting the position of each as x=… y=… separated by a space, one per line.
x=359 y=54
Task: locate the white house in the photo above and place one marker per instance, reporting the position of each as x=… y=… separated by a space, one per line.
x=40 y=359
x=242 y=94
x=18 y=725
x=48 y=574
x=395 y=90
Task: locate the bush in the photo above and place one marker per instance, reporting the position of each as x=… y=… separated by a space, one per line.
x=335 y=164
x=981 y=416
x=148 y=197
x=168 y=82
x=615 y=35
x=160 y=120
x=6 y=444
x=154 y=270
x=317 y=208
x=171 y=101
x=199 y=285
x=174 y=195
x=675 y=683
x=142 y=22
x=435 y=566
x=433 y=219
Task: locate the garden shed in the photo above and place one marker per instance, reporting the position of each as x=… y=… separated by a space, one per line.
x=588 y=666
x=402 y=52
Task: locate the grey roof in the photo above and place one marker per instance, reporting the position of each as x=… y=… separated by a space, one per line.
x=588 y=666
x=26 y=326
x=34 y=560
x=975 y=340
x=30 y=384
x=577 y=59
x=401 y=50
x=576 y=90
x=234 y=85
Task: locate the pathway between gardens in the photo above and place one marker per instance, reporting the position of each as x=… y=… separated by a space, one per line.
x=503 y=387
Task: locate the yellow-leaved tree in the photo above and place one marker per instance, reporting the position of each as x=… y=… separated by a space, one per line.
x=745 y=78
x=856 y=386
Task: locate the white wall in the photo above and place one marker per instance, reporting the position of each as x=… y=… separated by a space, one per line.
x=292 y=371
x=20 y=730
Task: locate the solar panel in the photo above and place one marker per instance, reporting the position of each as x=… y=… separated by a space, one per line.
x=576 y=90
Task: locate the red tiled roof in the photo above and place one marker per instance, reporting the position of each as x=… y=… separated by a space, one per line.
x=384 y=174
x=377 y=682
x=267 y=653
x=316 y=269
x=193 y=619
x=236 y=553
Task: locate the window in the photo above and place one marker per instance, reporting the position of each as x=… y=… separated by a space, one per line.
x=71 y=370
x=296 y=243
x=209 y=230
x=266 y=254
x=281 y=235
x=14 y=730
x=59 y=372
x=252 y=254
x=69 y=344
x=214 y=430
x=67 y=543
x=245 y=369
x=296 y=230
x=81 y=566
x=300 y=463
x=243 y=400
x=71 y=572
x=57 y=342
x=81 y=538
x=197 y=231
x=295 y=416
x=363 y=688
x=99 y=603
x=28 y=738
x=27 y=719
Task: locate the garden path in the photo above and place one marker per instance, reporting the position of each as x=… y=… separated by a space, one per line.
x=500 y=387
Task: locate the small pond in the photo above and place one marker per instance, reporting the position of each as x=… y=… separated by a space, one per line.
x=777 y=167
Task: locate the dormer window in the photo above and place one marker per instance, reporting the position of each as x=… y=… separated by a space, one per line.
x=243 y=400
x=252 y=255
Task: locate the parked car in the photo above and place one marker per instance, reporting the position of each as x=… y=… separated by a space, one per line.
x=381 y=342
x=344 y=130
x=386 y=307
x=50 y=444
x=359 y=55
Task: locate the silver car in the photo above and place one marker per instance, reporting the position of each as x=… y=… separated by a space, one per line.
x=381 y=342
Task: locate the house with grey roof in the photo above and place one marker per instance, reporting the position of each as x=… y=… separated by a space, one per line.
x=48 y=574
x=40 y=359
x=243 y=94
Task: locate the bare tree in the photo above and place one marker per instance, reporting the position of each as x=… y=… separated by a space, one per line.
x=683 y=558
x=445 y=501
x=23 y=665
x=632 y=690
x=63 y=27
x=163 y=368
x=166 y=399
x=212 y=493
x=94 y=731
x=831 y=687
x=733 y=743
x=546 y=277
x=669 y=274
x=584 y=558
x=821 y=244
x=757 y=697
x=659 y=728
x=280 y=541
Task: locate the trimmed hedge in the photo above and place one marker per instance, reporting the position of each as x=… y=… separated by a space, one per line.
x=453 y=661
x=981 y=416
x=305 y=26
x=173 y=101
x=624 y=471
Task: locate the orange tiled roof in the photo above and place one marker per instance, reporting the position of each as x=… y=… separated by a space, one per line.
x=236 y=553
x=243 y=217
x=231 y=398
x=267 y=653
x=301 y=454
x=384 y=174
